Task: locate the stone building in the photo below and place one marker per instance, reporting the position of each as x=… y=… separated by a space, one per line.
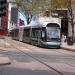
x=4 y=23
x=7 y=19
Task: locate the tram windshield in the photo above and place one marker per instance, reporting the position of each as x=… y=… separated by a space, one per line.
x=53 y=33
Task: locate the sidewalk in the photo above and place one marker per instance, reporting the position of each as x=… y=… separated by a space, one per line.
x=65 y=46
x=3 y=45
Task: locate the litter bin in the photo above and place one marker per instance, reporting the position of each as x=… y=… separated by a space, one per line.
x=70 y=40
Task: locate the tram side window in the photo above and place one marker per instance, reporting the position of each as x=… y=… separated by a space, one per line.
x=16 y=32
x=26 y=32
x=12 y=33
x=34 y=33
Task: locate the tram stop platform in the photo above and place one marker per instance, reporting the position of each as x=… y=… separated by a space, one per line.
x=3 y=59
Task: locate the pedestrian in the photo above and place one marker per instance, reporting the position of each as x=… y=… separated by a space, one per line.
x=64 y=38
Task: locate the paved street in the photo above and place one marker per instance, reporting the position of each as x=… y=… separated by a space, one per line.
x=24 y=65
x=31 y=60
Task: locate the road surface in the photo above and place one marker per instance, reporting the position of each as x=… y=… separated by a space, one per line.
x=27 y=59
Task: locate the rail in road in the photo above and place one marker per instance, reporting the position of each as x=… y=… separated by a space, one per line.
x=34 y=48
x=18 y=46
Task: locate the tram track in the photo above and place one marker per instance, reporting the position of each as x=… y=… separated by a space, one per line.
x=48 y=49
x=23 y=45
x=35 y=58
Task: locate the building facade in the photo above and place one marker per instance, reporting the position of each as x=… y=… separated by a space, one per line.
x=6 y=21
x=12 y=14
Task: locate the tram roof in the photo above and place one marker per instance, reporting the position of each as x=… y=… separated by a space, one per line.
x=43 y=22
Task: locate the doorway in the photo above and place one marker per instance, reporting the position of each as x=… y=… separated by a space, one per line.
x=64 y=26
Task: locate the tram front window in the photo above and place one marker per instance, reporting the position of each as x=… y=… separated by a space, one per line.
x=53 y=34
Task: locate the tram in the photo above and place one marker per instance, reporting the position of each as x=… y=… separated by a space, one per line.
x=45 y=33
x=14 y=33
